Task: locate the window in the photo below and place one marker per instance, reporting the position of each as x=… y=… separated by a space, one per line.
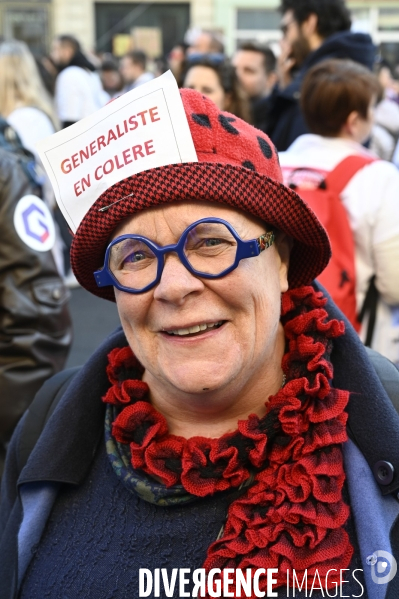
x=257 y=25
x=258 y=19
x=29 y=25
x=388 y=19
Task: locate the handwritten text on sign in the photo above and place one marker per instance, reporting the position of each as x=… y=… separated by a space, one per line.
x=143 y=129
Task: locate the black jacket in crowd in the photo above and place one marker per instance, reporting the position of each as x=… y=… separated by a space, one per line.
x=283 y=118
x=35 y=327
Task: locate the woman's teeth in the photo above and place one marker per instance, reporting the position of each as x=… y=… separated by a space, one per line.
x=195 y=329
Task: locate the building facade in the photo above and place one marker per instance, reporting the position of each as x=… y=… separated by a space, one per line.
x=96 y=22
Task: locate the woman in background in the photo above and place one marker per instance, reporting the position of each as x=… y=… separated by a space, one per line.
x=214 y=76
x=27 y=106
x=24 y=101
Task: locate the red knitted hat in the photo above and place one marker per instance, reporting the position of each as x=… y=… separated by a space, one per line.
x=237 y=165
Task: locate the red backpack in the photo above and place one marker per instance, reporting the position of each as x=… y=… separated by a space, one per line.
x=339 y=277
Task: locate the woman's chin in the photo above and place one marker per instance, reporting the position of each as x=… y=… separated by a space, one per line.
x=200 y=377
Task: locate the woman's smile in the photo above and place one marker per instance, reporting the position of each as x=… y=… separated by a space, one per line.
x=196 y=330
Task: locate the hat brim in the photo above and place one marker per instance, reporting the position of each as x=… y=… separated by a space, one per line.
x=235 y=186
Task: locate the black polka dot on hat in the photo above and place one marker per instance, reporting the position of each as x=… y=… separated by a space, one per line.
x=249 y=164
x=202 y=119
x=265 y=147
x=225 y=122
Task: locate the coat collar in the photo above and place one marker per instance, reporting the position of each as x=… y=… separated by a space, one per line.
x=74 y=430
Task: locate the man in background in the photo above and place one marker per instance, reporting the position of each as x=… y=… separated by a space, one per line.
x=206 y=42
x=111 y=77
x=256 y=70
x=313 y=30
x=133 y=68
x=78 y=89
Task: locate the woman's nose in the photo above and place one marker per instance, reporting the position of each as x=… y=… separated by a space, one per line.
x=176 y=281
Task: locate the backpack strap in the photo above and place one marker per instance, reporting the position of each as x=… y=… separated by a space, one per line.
x=369 y=307
x=340 y=176
x=337 y=180
x=388 y=375
x=40 y=410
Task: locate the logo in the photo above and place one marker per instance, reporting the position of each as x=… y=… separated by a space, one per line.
x=383 y=567
x=34 y=224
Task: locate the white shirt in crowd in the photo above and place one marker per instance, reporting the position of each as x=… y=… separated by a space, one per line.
x=32 y=125
x=143 y=78
x=78 y=93
x=371 y=199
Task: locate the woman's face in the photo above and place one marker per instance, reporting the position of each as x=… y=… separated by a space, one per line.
x=205 y=80
x=244 y=306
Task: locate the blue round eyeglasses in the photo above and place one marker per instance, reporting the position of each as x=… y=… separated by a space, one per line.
x=209 y=248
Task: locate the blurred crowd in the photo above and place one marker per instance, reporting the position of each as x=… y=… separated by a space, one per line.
x=322 y=96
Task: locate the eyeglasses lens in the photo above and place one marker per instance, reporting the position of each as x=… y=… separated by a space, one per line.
x=133 y=264
x=210 y=248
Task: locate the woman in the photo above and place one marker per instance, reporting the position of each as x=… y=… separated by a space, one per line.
x=220 y=441
x=214 y=76
x=24 y=101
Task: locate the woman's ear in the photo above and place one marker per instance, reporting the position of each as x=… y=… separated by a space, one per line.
x=284 y=245
x=351 y=122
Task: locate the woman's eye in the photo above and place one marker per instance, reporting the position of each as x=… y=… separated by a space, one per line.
x=134 y=257
x=212 y=242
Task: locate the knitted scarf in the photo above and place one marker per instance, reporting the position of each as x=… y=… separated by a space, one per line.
x=290 y=513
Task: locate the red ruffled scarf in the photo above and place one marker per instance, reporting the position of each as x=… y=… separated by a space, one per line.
x=292 y=515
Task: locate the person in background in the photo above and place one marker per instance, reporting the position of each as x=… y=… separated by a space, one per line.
x=215 y=77
x=160 y=65
x=24 y=101
x=133 y=68
x=385 y=132
x=337 y=99
x=313 y=30
x=35 y=327
x=111 y=78
x=48 y=73
x=28 y=108
x=78 y=89
x=206 y=42
x=255 y=65
x=176 y=60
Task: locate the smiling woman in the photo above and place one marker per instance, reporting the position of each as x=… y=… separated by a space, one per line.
x=209 y=434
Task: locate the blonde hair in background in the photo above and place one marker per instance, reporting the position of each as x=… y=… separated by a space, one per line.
x=20 y=82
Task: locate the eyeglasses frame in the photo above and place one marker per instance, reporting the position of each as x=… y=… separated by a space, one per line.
x=245 y=249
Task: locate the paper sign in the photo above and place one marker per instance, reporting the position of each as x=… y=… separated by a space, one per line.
x=142 y=129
